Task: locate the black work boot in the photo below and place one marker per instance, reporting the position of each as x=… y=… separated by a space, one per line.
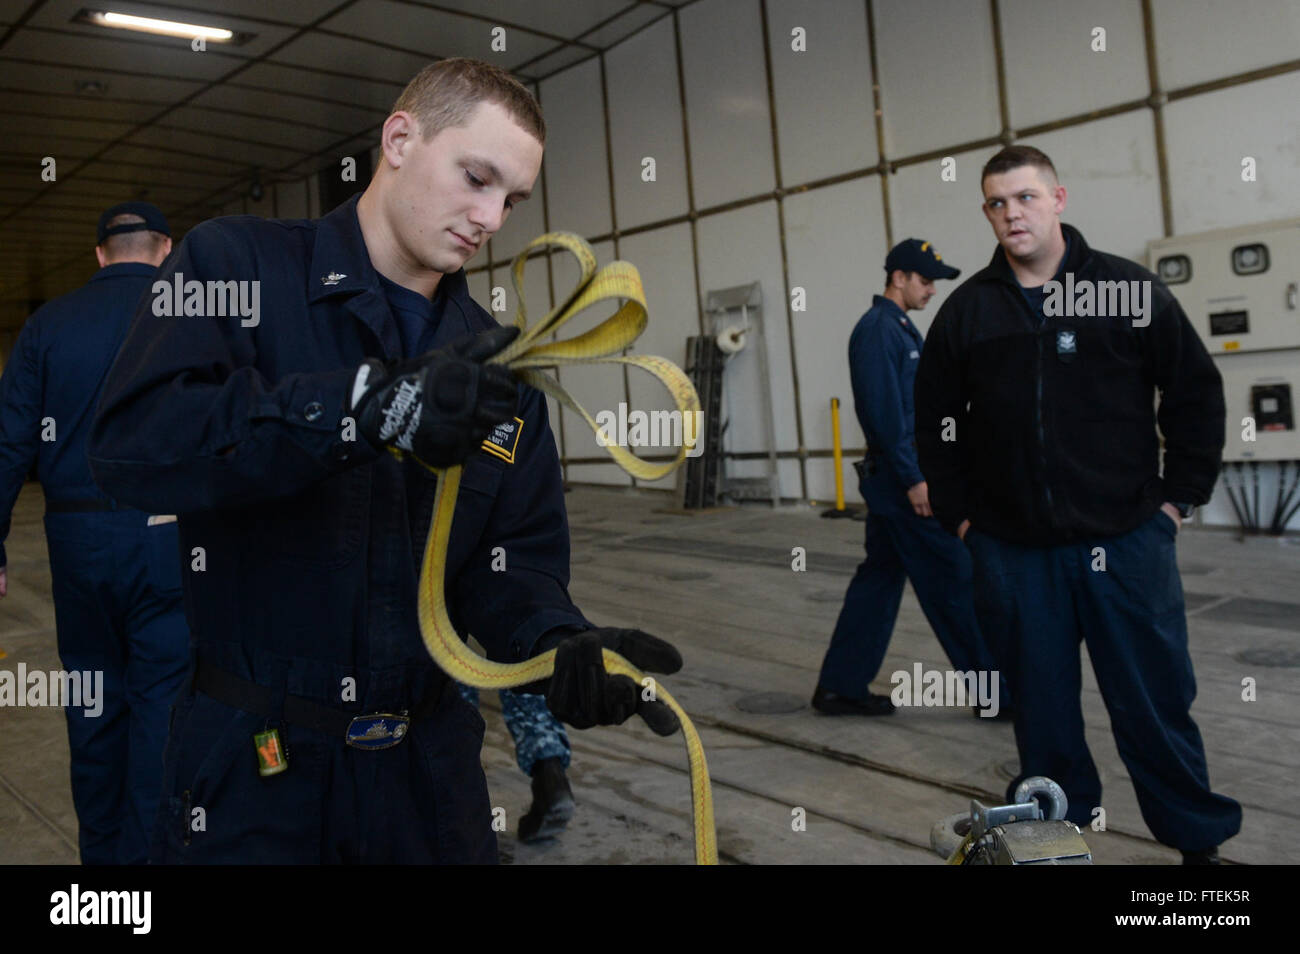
x=552 y=802
x=832 y=703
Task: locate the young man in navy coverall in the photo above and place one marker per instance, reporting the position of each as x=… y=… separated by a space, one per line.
x=303 y=535
x=1036 y=427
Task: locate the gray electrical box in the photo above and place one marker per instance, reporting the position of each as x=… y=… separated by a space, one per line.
x=1239 y=289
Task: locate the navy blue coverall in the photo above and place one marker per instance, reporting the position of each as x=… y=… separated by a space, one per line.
x=116 y=580
x=883 y=353
x=304 y=548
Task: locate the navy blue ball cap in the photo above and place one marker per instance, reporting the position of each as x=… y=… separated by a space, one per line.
x=913 y=255
x=154 y=220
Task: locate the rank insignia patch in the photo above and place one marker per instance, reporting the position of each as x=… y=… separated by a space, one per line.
x=504 y=439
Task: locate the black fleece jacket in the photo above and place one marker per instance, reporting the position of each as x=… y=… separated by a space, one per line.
x=1045 y=432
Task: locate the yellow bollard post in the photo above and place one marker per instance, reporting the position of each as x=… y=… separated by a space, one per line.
x=838 y=457
x=839 y=453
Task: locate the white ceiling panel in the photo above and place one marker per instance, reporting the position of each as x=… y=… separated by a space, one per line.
x=233 y=14
x=343 y=90
x=35 y=145
x=58 y=109
x=434 y=33
x=239 y=154
x=565 y=18
x=185 y=129
x=143 y=154
x=624 y=25
x=170 y=60
x=40 y=124
x=26 y=73
x=313 y=111
x=235 y=128
x=57 y=15
x=556 y=61
x=353 y=57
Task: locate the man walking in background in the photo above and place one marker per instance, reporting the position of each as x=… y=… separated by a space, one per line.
x=903 y=539
x=115 y=570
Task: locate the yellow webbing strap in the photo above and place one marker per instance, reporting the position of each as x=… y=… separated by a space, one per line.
x=526 y=356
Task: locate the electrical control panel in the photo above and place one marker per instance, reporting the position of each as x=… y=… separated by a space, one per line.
x=1239 y=288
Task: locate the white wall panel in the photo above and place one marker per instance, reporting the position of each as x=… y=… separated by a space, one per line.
x=264 y=207
x=726 y=101
x=1208 y=135
x=291 y=200
x=938 y=77
x=835 y=240
x=736 y=248
x=645 y=119
x=946 y=214
x=663 y=258
x=577 y=173
x=1052 y=69
x=1111 y=182
x=1199 y=40
x=553 y=414
x=480 y=289
x=536 y=288
x=595 y=387
x=610 y=474
x=821 y=477
x=526 y=221
x=1219 y=513
x=824 y=111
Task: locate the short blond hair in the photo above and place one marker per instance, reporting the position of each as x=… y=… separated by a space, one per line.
x=446 y=94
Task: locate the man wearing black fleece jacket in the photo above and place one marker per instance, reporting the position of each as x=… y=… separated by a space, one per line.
x=1036 y=431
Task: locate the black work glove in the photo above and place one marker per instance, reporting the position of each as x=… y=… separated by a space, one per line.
x=440 y=406
x=583 y=694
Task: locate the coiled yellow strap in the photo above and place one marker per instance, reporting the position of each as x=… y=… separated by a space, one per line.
x=526 y=356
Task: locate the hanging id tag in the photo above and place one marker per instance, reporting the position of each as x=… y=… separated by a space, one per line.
x=271 y=759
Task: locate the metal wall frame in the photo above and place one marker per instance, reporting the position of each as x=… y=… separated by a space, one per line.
x=1155 y=102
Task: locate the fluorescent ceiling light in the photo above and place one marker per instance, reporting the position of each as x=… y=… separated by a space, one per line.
x=127 y=21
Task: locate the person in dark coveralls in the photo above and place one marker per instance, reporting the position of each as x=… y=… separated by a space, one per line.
x=902 y=538
x=115 y=570
x=317 y=728
x=1036 y=426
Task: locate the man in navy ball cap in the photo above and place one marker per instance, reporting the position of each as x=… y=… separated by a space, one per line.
x=115 y=570
x=903 y=538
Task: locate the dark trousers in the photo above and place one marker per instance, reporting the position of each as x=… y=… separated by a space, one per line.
x=118 y=611
x=901 y=546
x=536 y=733
x=423 y=801
x=1036 y=604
